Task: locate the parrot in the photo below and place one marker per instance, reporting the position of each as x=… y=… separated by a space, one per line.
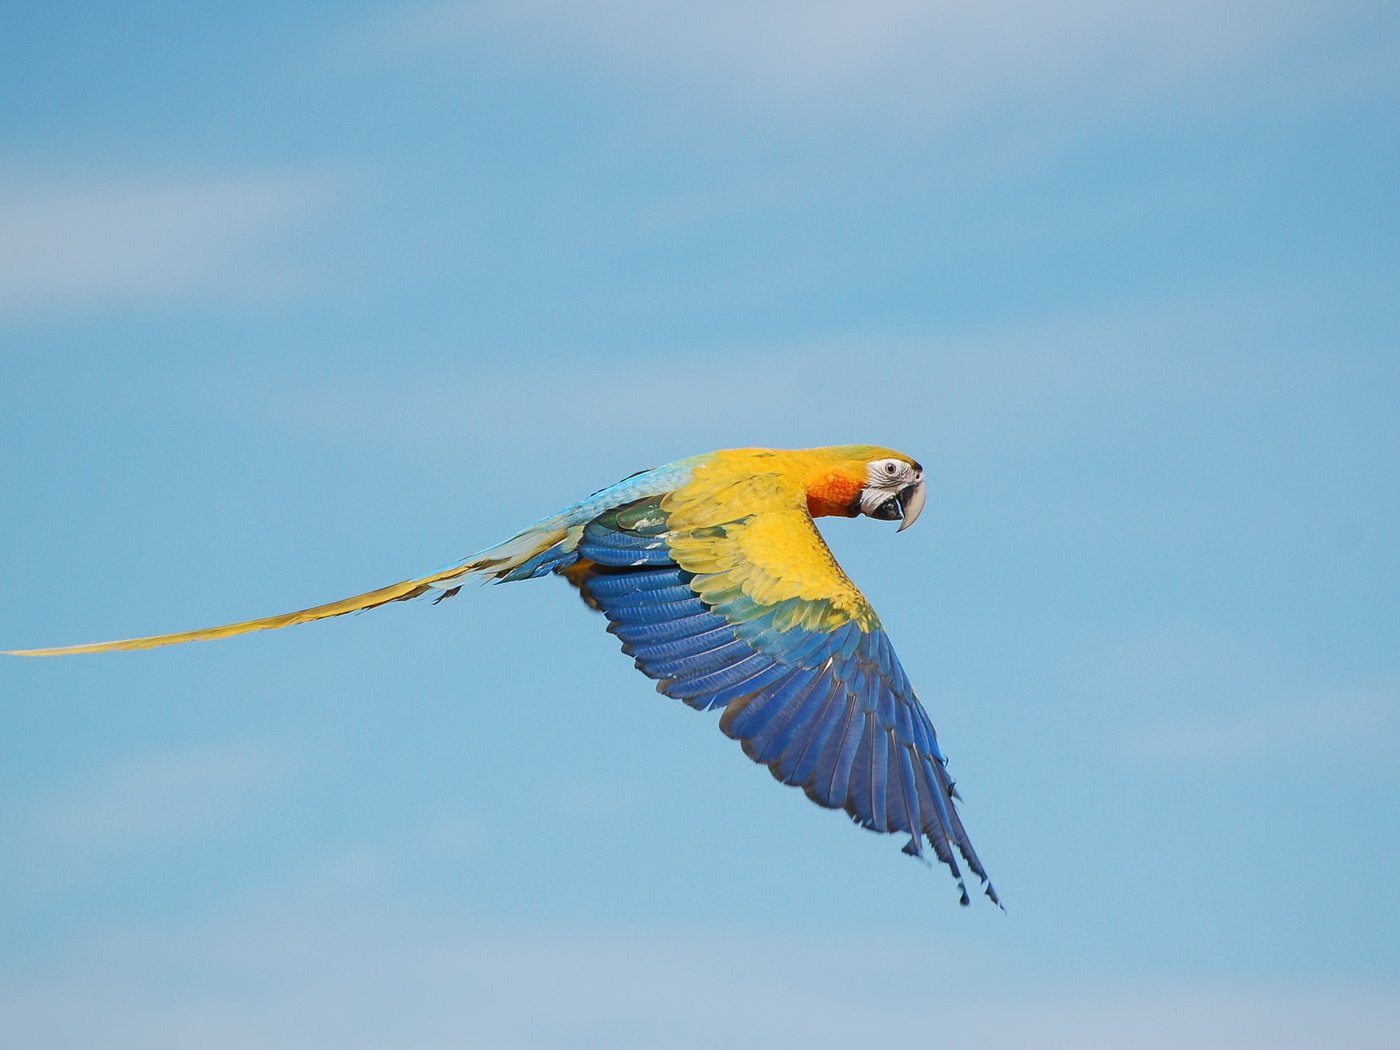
x=711 y=572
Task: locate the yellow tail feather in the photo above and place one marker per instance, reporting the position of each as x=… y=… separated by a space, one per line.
x=395 y=592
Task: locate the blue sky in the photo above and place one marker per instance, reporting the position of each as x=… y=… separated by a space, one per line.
x=294 y=303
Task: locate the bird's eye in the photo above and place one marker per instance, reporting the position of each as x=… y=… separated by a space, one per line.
x=891 y=467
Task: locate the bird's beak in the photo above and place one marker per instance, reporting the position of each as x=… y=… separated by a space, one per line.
x=911 y=503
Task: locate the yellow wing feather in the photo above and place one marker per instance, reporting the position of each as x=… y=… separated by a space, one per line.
x=742 y=522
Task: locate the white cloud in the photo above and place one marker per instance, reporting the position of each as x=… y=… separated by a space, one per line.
x=949 y=57
x=77 y=242
x=139 y=799
x=1360 y=720
x=352 y=974
x=1222 y=703
x=964 y=393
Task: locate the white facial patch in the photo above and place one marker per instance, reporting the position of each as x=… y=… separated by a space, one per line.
x=885 y=479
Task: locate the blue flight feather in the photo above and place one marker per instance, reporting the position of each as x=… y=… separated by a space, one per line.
x=831 y=712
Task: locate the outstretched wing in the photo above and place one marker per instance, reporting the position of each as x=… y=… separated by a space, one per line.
x=754 y=616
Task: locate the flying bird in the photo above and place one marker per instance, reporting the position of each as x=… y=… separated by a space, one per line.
x=712 y=573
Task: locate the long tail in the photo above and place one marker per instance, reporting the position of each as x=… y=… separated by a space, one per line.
x=497 y=562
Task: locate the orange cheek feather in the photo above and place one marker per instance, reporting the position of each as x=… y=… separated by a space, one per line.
x=833 y=493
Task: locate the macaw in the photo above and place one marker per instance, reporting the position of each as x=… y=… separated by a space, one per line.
x=712 y=573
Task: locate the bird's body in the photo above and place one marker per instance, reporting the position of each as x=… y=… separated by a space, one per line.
x=712 y=573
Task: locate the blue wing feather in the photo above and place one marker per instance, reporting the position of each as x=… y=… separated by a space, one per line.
x=832 y=713
x=857 y=781
x=690 y=645
x=642 y=632
x=801 y=757
x=741 y=692
x=909 y=794
x=709 y=657
x=627 y=582
x=747 y=721
x=735 y=673
x=771 y=739
x=879 y=776
x=652 y=613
